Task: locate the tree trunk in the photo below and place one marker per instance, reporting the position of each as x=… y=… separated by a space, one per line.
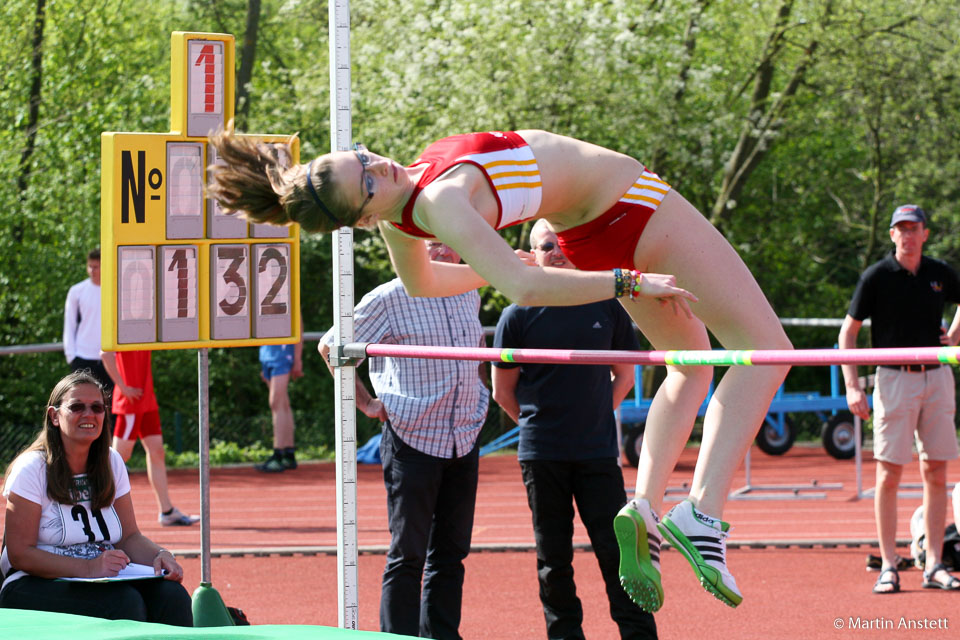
x=659 y=155
x=33 y=117
x=247 y=55
x=764 y=118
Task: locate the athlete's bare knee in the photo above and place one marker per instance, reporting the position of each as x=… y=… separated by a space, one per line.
x=691 y=379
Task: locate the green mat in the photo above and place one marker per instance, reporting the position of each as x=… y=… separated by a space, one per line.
x=18 y=624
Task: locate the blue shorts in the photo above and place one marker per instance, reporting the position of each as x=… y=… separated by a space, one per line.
x=276 y=360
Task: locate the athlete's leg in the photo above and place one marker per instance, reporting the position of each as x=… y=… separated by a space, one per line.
x=125 y=435
x=281 y=411
x=673 y=410
x=123 y=447
x=157 y=470
x=680 y=241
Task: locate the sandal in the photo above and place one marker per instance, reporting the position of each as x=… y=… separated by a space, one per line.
x=880 y=586
x=930 y=581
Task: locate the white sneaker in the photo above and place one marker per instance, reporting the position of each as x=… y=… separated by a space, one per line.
x=177 y=518
x=639 y=540
x=703 y=542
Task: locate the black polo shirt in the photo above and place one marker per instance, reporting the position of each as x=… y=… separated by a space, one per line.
x=566 y=410
x=906 y=310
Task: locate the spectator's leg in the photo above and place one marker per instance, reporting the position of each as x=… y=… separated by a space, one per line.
x=885 y=510
x=167 y=602
x=411 y=479
x=598 y=489
x=111 y=601
x=934 y=476
x=549 y=487
x=450 y=535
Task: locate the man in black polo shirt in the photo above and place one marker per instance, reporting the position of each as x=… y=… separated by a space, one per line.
x=568 y=443
x=904 y=294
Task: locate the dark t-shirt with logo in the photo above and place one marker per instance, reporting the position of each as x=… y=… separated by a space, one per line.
x=906 y=310
x=566 y=411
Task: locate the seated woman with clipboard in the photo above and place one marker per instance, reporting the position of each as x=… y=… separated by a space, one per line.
x=71 y=542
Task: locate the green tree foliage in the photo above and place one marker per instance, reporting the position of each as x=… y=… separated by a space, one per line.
x=831 y=112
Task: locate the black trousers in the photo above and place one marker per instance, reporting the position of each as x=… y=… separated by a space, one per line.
x=430 y=505
x=597 y=488
x=162 y=601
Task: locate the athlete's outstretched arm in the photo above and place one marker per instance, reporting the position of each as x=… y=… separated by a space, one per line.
x=421 y=276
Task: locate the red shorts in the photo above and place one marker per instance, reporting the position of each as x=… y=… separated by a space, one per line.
x=131 y=426
x=609 y=241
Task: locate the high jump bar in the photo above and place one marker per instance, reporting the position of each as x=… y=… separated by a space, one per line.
x=802 y=357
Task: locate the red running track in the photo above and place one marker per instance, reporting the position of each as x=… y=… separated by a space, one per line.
x=289 y=519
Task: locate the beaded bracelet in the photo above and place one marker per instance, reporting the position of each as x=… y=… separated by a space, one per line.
x=637 y=281
x=618 y=283
x=627 y=283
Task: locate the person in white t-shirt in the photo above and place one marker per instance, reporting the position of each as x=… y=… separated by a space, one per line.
x=69 y=515
x=81 y=324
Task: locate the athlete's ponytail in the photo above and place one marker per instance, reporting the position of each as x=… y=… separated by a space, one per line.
x=253 y=183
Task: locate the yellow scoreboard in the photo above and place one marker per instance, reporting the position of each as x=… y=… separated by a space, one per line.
x=176 y=272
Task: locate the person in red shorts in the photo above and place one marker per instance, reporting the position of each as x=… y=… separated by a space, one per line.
x=135 y=406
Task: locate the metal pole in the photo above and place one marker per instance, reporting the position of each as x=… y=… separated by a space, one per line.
x=858 y=453
x=204 y=418
x=344 y=373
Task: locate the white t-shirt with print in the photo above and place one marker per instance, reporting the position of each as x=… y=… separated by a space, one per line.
x=74 y=530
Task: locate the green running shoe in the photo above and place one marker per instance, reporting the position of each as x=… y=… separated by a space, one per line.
x=703 y=542
x=639 y=540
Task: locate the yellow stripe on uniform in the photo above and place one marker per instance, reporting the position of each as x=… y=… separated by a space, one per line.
x=500 y=163
x=511 y=174
x=631 y=197
x=519 y=185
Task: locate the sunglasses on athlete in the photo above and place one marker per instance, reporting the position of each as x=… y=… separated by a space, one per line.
x=546 y=247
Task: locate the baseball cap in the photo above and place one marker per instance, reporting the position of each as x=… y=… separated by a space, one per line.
x=908 y=213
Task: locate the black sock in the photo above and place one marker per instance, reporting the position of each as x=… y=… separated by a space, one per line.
x=166 y=513
x=289 y=452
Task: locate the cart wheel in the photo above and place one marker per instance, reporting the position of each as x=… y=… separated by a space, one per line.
x=773 y=443
x=632 y=443
x=838 y=436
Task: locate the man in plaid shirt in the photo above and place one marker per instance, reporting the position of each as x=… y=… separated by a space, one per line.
x=432 y=412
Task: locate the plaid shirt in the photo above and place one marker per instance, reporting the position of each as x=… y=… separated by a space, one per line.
x=435 y=406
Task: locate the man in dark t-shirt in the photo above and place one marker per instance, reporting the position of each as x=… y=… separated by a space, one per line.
x=904 y=294
x=568 y=442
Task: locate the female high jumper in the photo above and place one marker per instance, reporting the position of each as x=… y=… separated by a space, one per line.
x=623 y=227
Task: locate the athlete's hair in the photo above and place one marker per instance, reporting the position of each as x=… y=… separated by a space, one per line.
x=49 y=442
x=253 y=183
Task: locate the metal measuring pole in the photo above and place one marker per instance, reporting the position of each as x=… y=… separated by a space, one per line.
x=344 y=371
x=203 y=388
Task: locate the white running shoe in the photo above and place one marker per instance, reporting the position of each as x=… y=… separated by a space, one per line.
x=177 y=518
x=703 y=542
x=639 y=541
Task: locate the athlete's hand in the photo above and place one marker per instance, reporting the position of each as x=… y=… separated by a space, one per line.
x=664 y=288
x=133 y=393
x=526 y=257
x=108 y=564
